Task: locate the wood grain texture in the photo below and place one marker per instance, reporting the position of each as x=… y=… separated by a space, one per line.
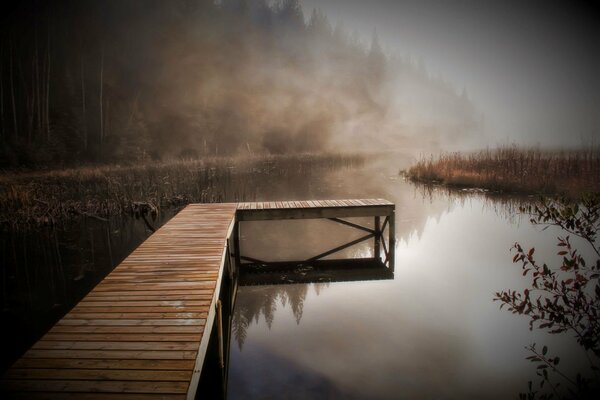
x=137 y=334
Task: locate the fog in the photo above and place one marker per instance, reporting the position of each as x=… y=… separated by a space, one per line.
x=139 y=80
x=531 y=67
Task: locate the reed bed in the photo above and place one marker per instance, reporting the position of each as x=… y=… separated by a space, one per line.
x=514 y=170
x=49 y=197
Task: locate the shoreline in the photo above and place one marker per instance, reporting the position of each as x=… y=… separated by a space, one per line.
x=41 y=198
x=512 y=170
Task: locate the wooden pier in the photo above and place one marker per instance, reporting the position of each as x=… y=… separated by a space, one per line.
x=143 y=332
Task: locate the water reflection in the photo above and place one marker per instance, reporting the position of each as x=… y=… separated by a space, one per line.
x=432 y=332
x=260 y=302
x=357 y=268
x=45 y=272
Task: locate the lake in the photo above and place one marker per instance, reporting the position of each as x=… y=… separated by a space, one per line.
x=432 y=331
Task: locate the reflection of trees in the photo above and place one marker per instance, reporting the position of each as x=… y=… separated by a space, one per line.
x=254 y=301
x=46 y=270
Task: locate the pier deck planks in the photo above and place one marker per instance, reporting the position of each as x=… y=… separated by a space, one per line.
x=257 y=211
x=140 y=332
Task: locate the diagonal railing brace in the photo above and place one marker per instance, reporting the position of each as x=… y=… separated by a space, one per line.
x=353 y=225
x=342 y=247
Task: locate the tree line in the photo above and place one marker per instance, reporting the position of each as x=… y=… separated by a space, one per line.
x=91 y=81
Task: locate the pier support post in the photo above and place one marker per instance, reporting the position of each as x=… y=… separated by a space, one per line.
x=392 y=239
x=377 y=241
x=236 y=245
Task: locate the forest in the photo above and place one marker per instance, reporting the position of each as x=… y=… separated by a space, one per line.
x=83 y=81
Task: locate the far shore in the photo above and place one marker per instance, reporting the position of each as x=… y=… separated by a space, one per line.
x=570 y=173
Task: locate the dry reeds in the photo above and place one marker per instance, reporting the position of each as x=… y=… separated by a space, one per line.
x=46 y=197
x=514 y=169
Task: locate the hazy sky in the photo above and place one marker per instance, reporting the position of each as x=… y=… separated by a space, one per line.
x=531 y=66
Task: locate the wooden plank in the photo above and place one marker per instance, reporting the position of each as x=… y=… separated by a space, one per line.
x=156 y=309
x=94 y=396
x=115 y=337
x=74 y=363
x=93 y=345
x=177 y=293
x=126 y=329
x=146 y=270
x=132 y=322
x=175 y=304
x=314 y=213
x=95 y=386
x=108 y=287
x=112 y=354
x=165 y=280
x=168 y=276
x=99 y=374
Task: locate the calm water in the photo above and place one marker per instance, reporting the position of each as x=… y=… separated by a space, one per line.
x=433 y=332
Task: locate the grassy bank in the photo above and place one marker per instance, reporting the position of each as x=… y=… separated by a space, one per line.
x=514 y=170
x=49 y=197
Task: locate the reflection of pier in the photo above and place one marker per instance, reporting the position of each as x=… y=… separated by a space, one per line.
x=140 y=333
x=340 y=270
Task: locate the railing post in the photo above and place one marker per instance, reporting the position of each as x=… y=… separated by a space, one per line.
x=236 y=244
x=377 y=241
x=392 y=239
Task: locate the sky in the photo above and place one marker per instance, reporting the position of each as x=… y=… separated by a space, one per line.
x=532 y=67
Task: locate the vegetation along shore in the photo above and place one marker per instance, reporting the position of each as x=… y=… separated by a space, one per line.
x=514 y=170
x=53 y=196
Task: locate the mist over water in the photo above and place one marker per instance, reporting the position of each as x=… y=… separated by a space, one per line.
x=530 y=67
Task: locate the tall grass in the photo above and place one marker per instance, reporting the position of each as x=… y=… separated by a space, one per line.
x=33 y=198
x=514 y=169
